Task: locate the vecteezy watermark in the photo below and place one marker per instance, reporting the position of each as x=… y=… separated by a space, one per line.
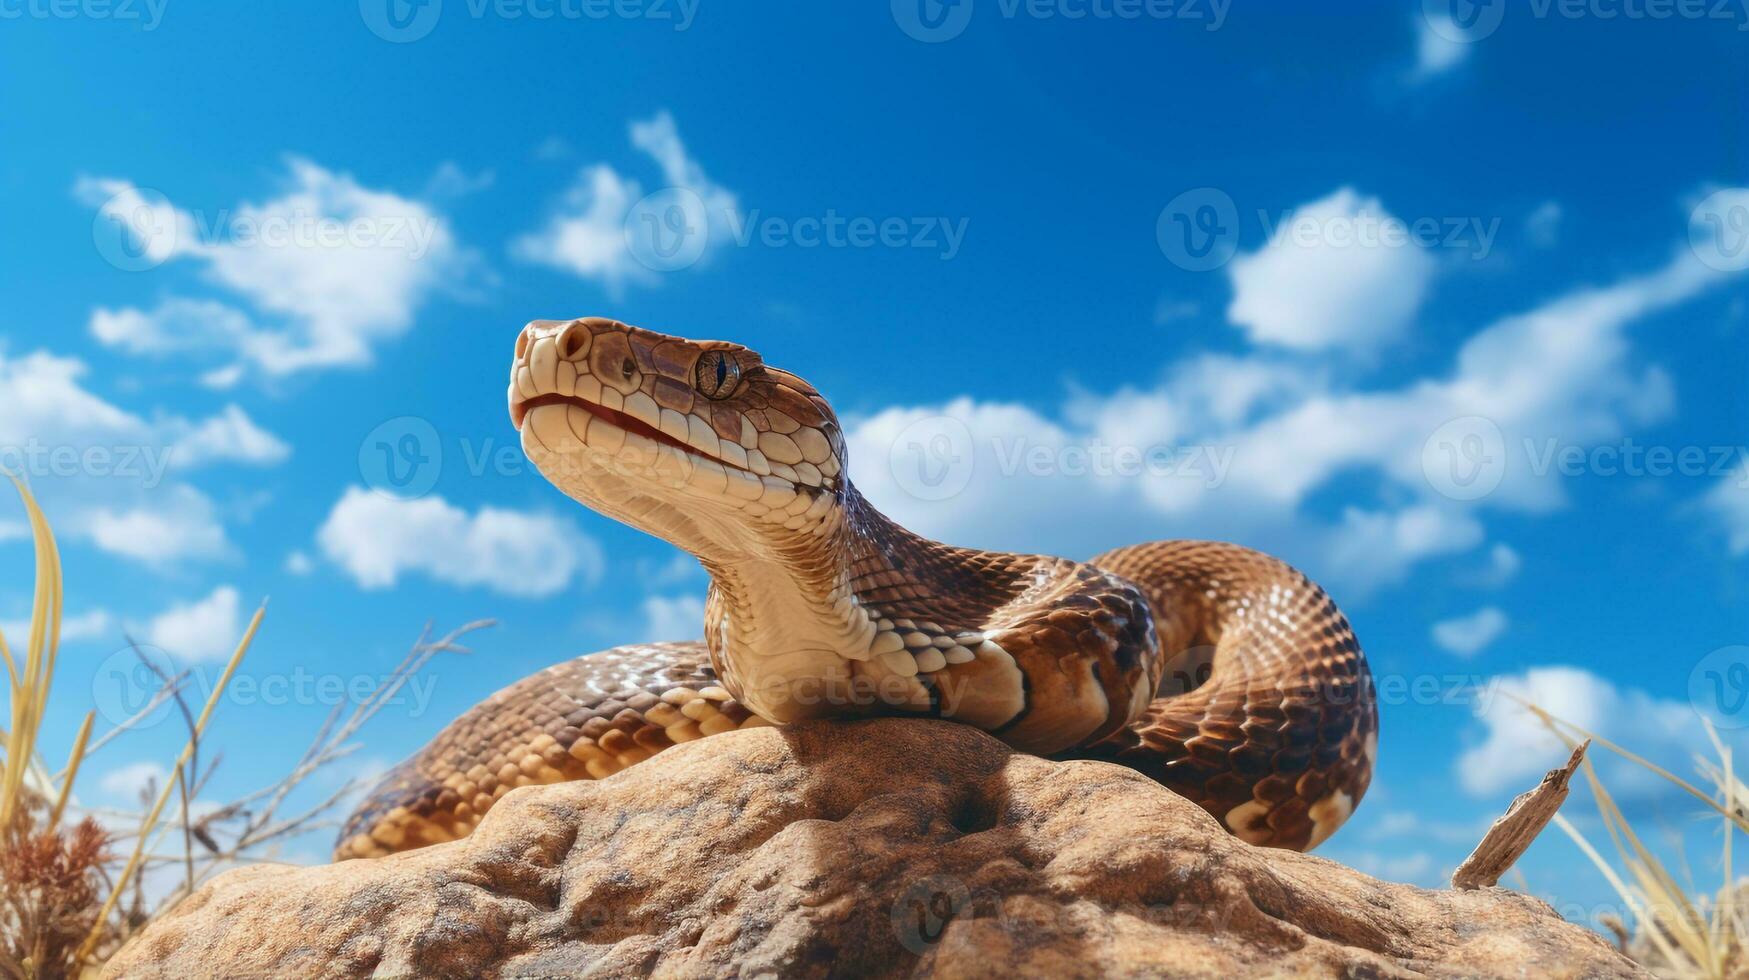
x=934 y=458
x=1467 y=458
x=131 y=683
x=673 y=228
x=405 y=21
x=148 y=14
x=935 y=21
x=1718 y=687
x=939 y=234
x=1198 y=230
x=140 y=464
x=139 y=229
x=1469 y=21
x=402 y=457
x=1207 y=465
x=1718 y=230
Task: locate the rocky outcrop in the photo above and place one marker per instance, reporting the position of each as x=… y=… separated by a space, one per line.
x=877 y=848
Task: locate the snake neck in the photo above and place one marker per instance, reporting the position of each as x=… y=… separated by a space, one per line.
x=788 y=623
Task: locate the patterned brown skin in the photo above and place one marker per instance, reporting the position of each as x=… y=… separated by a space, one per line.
x=1221 y=672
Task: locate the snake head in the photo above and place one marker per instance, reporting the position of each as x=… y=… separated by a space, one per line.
x=695 y=441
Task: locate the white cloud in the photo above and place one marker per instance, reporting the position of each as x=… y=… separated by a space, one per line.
x=376 y=539
x=1249 y=442
x=451 y=180
x=205 y=629
x=173 y=524
x=594 y=234
x=177 y=325
x=1374 y=548
x=1517 y=749
x=1340 y=272
x=230 y=435
x=333 y=267
x=673 y=617
x=1435 y=50
x=298 y=563
x=110 y=476
x=1728 y=501
x=1503 y=565
x=92 y=624
x=1467 y=635
x=128 y=783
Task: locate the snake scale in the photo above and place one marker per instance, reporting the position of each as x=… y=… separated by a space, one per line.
x=1219 y=671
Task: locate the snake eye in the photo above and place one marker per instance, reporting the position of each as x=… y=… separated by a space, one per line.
x=718 y=375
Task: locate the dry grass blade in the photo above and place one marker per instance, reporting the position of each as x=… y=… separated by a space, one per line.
x=30 y=684
x=1678 y=934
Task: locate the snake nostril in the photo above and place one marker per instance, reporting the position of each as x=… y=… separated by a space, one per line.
x=573 y=341
x=629 y=368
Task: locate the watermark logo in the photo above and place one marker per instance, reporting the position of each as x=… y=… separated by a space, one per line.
x=148 y=14
x=1463 y=21
x=144 y=465
x=405 y=21
x=932 y=21
x=138 y=683
x=401 y=458
x=935 y=21
x=1718 y=687
x=1718 y=230
x=922 y=913
x=668 y=230
x=401 y=21
x=933 y=458
x=1199 y=229
x=135 y=230
x=128 y=682
x=1465 y=459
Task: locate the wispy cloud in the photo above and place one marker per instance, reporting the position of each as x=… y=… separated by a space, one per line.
x=376 y=540
x=329 y=269
x=607 y=229
x=203 y=629
x=1469 y=635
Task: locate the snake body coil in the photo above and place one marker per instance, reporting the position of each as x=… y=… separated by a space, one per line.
x=1219 y=671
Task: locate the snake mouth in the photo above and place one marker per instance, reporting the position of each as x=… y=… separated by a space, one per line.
x=619 y=420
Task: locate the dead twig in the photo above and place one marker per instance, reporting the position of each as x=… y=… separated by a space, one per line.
x=1512 y=834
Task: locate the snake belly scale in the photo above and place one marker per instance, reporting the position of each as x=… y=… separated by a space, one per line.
x=1219 y=671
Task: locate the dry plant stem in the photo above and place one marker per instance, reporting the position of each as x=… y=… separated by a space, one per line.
x=164 y=794
x=1512 y=834
x=332 y=742
x=73 y=759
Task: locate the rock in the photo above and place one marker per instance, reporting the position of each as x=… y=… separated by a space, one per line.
x=876 y=848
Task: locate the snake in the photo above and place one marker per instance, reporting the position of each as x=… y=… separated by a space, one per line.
x=1221 y=672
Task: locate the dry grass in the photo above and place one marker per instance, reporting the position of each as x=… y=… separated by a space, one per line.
x=1675 y=932
x=68 y=896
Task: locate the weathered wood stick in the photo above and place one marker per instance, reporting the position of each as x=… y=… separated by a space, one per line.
x=1509 y=837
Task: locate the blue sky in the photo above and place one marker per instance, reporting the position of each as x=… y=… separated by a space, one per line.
x=1419 y=307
